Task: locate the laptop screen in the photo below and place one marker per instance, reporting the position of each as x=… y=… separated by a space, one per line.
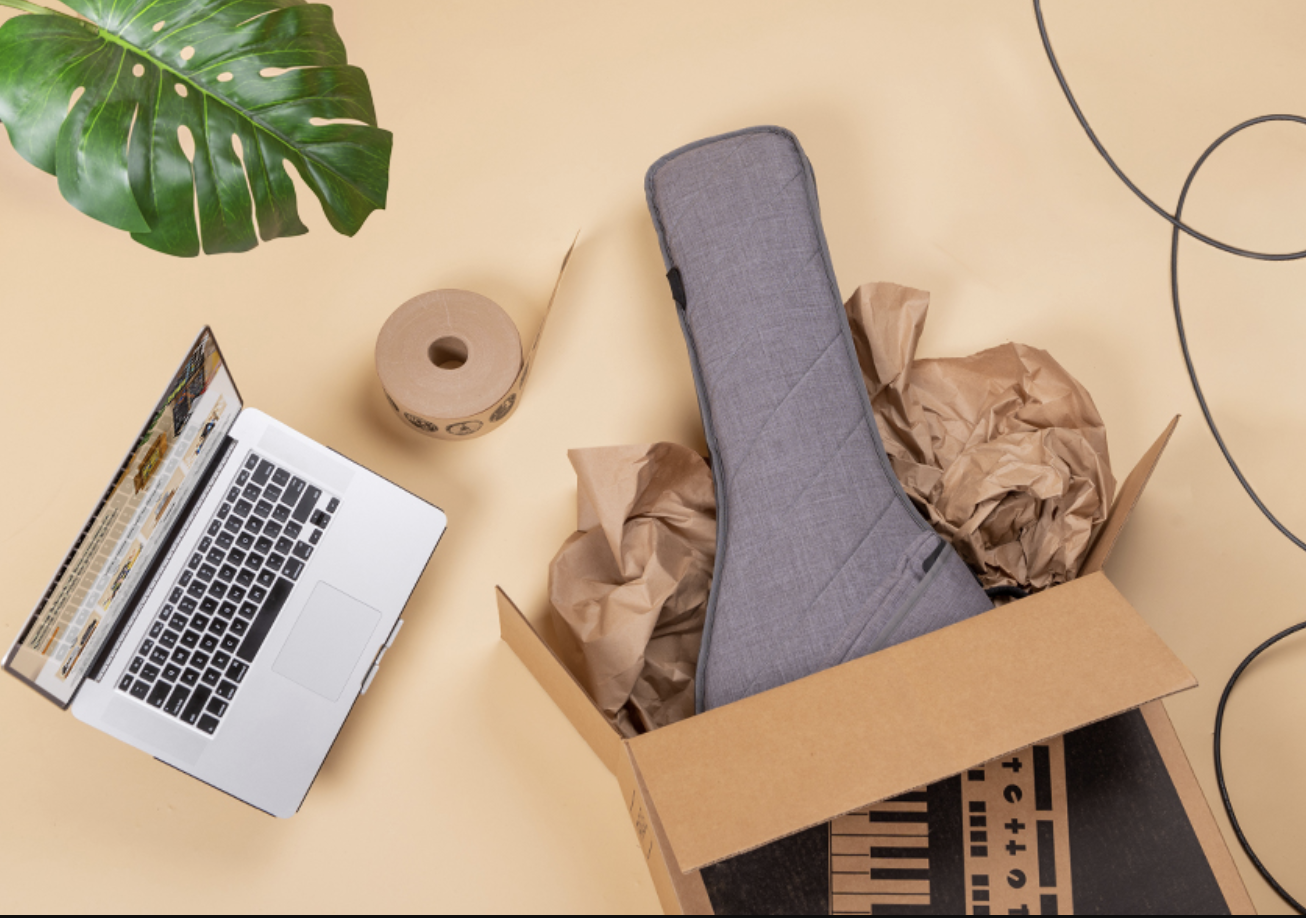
x=130 y=527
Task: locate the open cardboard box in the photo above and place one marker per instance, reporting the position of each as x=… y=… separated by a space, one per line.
x=736 y=778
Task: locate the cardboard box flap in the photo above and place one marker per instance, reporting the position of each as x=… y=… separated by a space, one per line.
x=739 y=776
x=1126 y=500
x=558 y=682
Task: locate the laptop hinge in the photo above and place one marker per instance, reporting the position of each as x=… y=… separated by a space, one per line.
x=146 y=585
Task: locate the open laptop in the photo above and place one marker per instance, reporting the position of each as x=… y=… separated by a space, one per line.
x=231 y=595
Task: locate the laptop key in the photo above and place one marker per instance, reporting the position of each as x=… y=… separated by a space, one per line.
x=195 y=708
x=281 y=513
x=184 y=578
x=176 y=595
x=168 y=639
x=199 y=622
x=215 y=556
x=293 y=530
x=209 y=604
x=126 y=684
x=171 y=672
x=156 y=629
x=236 y=593
x=257 y=594
x=218 y=627
x=272 y=530
x=254 y=562
x=159 y=656
x=263 y=621
x=232 y=524
x=199 y=659
x=208 y=723
x=223 y=511
x=218 y=590
x=136 y=666
x=262 y=508
x=194 y=561
x=206 y=543
x=187 y=605
x=239 y=626
x=230 y=643
x=242 y=477
x=190 y=639
x=208 y=643
x=293 y=569
x=158 y=695
x=303 y=551
x=221 y=660
x=275 y=561
x=210 y=677
x=216 y=706
x=313 y=539
x=176 y=700
x=252 y=492
x=285 y=545
x=248 y=610
x=226 y=573
x=321 y=519
x=306 y=504
x=227 y=609
x=140 y=689
x=236 y=671
x=150 y=673
x=190 y=676
x=280 y=477
x=294 y=491
x=224 y=539
x=272 y=492
x=335 y=503
x=251 y=462
x=226 y=690
x=267 y=578
x=245 y=577
x=180 y=655
x=263 y=545
x=263 y=471
x=254 y=524
x=214 y=528
x=196 y=589
x=179 y=621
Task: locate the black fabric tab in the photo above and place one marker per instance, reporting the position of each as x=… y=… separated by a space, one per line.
x=677 y=287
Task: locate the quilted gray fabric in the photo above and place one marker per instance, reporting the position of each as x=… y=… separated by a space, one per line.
x=821 y=557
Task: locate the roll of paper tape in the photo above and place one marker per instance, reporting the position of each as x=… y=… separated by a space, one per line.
x=451 y=362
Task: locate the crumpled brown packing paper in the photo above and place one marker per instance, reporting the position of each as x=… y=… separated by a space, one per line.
x=1003 y=450
x=629 y=589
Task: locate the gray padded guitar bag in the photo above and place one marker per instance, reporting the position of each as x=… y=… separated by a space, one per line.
x=821 y=556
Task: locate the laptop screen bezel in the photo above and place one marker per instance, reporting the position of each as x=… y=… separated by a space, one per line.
x=129 y=610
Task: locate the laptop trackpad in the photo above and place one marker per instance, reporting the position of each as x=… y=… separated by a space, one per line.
x=327 y=642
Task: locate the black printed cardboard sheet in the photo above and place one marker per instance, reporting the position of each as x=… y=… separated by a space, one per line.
x=1089 y=823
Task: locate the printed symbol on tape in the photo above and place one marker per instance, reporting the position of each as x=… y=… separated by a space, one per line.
x=463 y=428
x=421 y=423
x=501 y=412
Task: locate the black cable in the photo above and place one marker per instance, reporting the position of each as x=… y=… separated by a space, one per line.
x=1178 y=225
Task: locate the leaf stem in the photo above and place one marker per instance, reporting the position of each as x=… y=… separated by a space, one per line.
x=29 y=7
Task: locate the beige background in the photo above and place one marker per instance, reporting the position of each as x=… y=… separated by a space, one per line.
x=947 y=159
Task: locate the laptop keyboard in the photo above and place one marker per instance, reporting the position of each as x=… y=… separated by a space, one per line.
x=192 y=663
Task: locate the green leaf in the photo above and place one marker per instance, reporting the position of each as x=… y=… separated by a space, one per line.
x=147 y=68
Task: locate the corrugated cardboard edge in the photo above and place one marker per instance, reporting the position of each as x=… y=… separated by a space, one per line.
x=559 y=683
x=1198 y=810
x=1126 y=500
x=1086 y=655
x=678 y=892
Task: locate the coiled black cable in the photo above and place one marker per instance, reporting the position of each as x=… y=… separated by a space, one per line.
x=1178 y=226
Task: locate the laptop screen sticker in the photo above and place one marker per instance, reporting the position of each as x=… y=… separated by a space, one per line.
x=130 y=526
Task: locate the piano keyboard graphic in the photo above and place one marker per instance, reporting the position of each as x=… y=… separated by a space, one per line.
x=1014 y=840
x=880 y=858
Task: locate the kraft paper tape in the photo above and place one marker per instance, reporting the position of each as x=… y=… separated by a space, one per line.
x=451 y=361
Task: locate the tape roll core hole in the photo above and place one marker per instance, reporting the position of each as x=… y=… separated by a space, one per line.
x=448 y=353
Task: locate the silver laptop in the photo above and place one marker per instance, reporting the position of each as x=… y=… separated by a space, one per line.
x=231 y=595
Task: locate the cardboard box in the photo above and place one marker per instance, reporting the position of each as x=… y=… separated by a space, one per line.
x=785 y=763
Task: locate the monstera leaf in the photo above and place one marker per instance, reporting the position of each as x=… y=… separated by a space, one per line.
x=103 y=103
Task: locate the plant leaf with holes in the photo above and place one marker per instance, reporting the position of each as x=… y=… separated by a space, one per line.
x=147 y=68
